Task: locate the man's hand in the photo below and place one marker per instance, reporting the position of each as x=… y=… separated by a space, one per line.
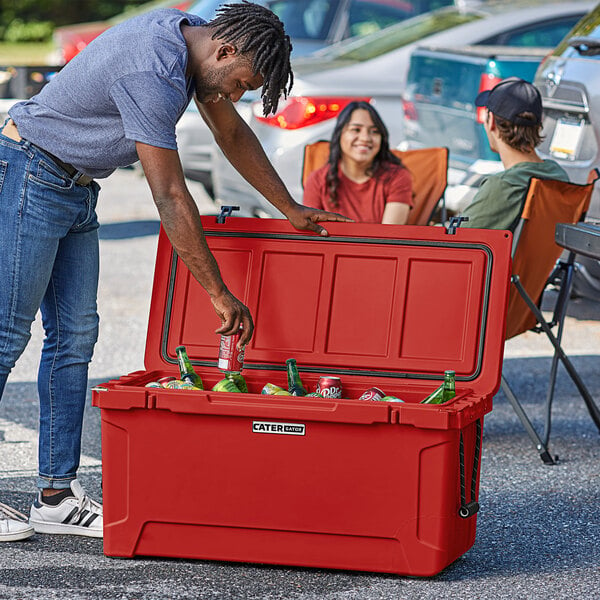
x=233 y=315
x=303 y=217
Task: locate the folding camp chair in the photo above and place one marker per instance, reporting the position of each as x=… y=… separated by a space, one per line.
x=535 y=254
x=428 y=167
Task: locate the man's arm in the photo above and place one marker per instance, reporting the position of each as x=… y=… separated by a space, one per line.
x=181 y=220
x=243 y=150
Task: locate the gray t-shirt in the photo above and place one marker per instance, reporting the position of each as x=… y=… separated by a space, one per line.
x=129 y=85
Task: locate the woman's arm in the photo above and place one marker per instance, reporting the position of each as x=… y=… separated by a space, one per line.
x=395 y=213
x=399 y=198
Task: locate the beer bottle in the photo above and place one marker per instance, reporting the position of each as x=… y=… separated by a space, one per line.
x=239 y=381
x=186 y=370
x=225 y=385
x=445 y=392
x=295 y=387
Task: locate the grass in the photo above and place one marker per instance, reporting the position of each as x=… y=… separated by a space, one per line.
x=12 y=54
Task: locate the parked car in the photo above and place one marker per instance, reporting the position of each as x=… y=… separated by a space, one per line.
x=442 y=83
x=70 y=40
x=372 y=67
x=311 y=24
x=570 y=86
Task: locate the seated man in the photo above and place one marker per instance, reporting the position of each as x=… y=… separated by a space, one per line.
x=513 y=126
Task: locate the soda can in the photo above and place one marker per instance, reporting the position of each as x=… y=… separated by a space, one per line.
x=271 y=389
x=391 y=399
x=164 y=380
x=231 y=360
x=179 y=384
x=329 y=387
x=153 y=384
x=225 y=385
x=373 y=393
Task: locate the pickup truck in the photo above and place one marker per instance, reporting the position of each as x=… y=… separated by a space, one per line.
x=439 y=107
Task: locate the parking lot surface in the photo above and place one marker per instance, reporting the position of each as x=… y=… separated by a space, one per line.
x=538 y=530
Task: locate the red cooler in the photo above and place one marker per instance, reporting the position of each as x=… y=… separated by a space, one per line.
x=315 y=482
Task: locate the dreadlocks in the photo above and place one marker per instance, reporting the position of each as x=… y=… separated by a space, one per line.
x=260 y=33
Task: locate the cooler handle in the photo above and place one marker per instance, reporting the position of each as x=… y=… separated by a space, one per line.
x=226 y=212
x=455 y=223
x=468 y=509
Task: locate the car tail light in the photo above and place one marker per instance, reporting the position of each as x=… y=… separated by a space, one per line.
x=487 y=82
x=410 y=110
x=302 y=111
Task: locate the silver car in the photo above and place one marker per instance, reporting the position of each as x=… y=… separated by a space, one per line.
x=373 y=67
x=569 y=82
x=311 y=24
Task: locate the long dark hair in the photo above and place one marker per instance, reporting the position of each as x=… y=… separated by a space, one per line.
x=381 y=160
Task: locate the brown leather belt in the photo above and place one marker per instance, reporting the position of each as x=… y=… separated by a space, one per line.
x=10 y=131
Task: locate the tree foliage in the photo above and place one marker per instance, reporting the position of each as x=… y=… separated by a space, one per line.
x=27 y=15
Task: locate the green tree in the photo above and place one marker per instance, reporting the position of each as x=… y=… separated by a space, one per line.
x=61 y=12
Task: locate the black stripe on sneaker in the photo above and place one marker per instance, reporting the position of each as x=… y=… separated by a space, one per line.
x=68 y=518
x=82 y=516
x=90 y=520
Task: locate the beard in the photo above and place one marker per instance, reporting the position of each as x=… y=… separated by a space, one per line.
x=210 y=83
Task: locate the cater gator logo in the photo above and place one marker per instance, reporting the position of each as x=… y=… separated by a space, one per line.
x=281 y=428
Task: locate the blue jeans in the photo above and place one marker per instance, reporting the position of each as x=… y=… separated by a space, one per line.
x=49 y=261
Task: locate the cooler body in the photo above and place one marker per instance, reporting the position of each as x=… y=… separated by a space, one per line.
x=330 y=483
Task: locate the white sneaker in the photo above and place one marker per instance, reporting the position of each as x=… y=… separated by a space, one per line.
x=75 y=515
x=13 y=525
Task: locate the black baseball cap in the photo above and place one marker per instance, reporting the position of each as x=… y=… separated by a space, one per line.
x=511 y=97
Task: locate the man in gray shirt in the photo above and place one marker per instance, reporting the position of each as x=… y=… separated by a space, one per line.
x=115 y=103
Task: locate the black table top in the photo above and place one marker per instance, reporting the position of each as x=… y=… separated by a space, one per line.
x=581 y=238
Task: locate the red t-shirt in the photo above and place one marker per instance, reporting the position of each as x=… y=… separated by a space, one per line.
x=362 y=202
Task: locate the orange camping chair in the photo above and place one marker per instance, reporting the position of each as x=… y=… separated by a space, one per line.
x=428 y=167
x=535 y=255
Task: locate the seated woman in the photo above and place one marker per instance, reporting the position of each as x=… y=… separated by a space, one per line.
x=363 y=180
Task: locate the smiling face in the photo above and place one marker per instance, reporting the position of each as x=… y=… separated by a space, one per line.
x=361 y=139
x=230 y=78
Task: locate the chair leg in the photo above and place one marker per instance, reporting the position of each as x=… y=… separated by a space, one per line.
x=540 y=446
x=585 y=394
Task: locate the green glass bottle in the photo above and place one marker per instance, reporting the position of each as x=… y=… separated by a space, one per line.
x=445 y=392
x=295 y=387
x=239 y=381
x=186 y=370
x=225 y=385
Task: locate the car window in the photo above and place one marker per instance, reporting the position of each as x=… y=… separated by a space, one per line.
x=306 y=19
x=547 y=34
x=395 y=36
x=367 y=16
x=587 y=28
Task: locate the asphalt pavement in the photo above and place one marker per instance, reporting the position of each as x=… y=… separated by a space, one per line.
x=538 y=529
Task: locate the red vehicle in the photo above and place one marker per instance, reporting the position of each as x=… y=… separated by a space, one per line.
x=72 y=39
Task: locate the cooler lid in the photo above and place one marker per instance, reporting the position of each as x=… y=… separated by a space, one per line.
x=378 y=300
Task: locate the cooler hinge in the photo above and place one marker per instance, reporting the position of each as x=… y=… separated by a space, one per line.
x=226 y=212
x=454 y=224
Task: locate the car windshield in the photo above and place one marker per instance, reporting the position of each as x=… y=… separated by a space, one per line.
x=584 y=40
x=396 y=36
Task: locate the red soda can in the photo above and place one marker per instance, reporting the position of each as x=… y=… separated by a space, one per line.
x=330 y=387
x=231 y=360
x=373 y=393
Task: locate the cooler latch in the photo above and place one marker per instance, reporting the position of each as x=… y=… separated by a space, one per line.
x=455 y=224
x=468 y=509
x=226 y=212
